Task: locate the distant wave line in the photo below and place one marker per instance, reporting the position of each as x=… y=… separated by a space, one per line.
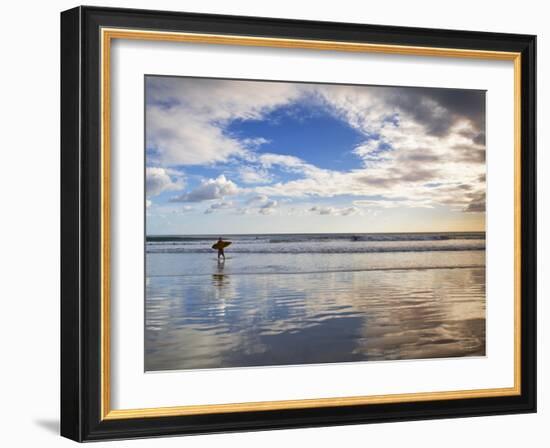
x=327 y=250
x=276 y=239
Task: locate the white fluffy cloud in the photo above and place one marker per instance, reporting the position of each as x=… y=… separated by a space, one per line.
x=186 y=117
x=290 y=162
x=159 y=179
x=181 y=138
x=252 y=175
x=209 y=190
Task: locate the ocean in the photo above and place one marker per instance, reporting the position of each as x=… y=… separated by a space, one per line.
x=313 y=298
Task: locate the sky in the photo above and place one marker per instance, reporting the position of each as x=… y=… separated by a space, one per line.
x=234 y=156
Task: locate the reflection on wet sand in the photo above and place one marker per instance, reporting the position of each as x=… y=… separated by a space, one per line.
x=304 y=318
x=219 y=278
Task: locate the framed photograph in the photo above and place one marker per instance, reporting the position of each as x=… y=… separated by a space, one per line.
x=273 y=223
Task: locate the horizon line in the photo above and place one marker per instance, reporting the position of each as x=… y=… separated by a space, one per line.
x=315 y=233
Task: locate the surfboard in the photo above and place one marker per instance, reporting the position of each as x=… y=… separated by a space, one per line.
x=221 y=245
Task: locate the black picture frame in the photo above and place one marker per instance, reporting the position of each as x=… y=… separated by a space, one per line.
x=81 y=224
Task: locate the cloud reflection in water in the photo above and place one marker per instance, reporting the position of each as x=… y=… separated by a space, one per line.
x=282 y=319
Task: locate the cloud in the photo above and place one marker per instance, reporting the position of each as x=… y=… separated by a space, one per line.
x=255 y=141
x=218 y=206
x=261 y=198
x=371 y=108
x=402 y=151
x=286 y=161
x=268 y=208
x=439 y=109
x=322 y=210
x=370 y=150
x=334 y=211
x=411 y=140
x=186 y=117
x=393 y=176
x=260 y=203
x=209 y=190
x=477 y=203
x=179 y=138
x=349 y=211
x=393 y=203
x=469 y=153
x=415 y=162
x=251 y=175
x=159 y=179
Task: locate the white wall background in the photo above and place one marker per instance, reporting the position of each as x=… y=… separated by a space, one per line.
x=29 y=117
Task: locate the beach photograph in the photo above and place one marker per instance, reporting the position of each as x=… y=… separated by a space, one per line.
x=293 y=223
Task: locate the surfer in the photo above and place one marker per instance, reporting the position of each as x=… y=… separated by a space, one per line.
x=220 y=245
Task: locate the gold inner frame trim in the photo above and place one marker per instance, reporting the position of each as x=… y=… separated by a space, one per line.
x=107 y=35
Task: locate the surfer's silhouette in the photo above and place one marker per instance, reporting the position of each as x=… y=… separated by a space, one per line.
x=220 y=245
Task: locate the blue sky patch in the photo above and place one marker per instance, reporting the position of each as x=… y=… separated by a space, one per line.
x=306 y=131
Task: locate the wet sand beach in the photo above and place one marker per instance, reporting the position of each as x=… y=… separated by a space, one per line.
x=283 y=307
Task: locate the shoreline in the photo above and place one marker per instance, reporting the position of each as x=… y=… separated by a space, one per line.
x=334 y=271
